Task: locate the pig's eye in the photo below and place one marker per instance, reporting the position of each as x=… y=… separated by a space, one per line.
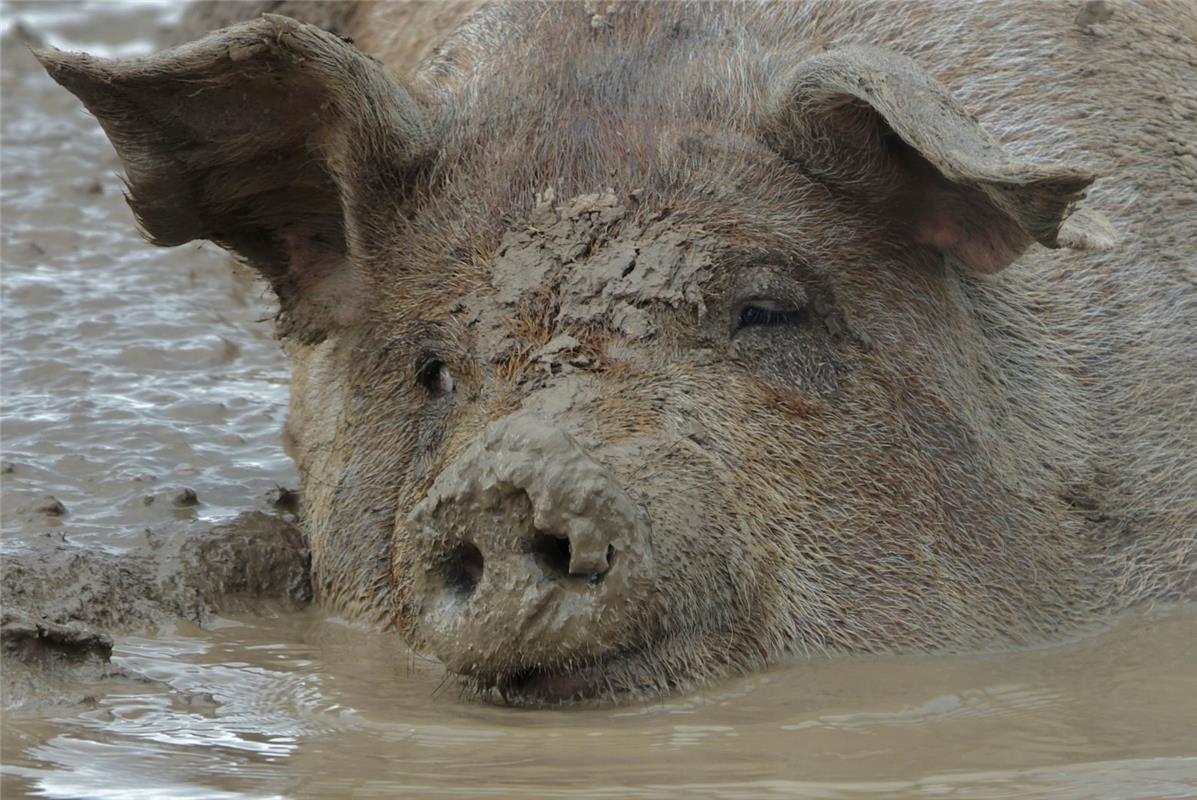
x=759 y=313
x=434 y=375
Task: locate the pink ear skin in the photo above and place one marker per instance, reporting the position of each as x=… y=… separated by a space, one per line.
x=325 y=278
x=983 y=243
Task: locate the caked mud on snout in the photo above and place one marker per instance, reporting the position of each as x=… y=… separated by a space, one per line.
x=529 y=556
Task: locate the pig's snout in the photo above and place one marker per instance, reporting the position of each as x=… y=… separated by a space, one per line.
x=528 y=553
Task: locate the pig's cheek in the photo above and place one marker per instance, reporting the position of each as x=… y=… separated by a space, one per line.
x=800 y=360
x=701 y=543
x=432 y=433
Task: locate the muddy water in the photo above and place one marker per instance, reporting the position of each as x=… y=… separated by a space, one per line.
x=304 y=706
x=130 y=373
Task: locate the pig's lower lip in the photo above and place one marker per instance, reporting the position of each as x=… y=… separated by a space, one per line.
x=551 y=687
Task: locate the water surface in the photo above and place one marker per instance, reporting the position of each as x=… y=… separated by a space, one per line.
x=301 y=705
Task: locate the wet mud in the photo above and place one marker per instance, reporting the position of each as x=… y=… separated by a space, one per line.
x=643 y=261
x=65 y=605
x=142 y=477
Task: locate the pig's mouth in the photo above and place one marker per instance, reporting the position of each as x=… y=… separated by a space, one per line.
x=608 y=680
x=617 y=677
x=546 y=686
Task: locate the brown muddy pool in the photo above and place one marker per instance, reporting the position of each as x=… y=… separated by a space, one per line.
x=130 y=373
x=300 y=705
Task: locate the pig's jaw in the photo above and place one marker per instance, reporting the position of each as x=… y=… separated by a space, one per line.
x=655 y=669
x=608 y=681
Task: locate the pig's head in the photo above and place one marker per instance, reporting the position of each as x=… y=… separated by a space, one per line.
x=608 y=383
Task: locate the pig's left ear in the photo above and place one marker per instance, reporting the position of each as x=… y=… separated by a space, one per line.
x=874 y=124
x=274 y=139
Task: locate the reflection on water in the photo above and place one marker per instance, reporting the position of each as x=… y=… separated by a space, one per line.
x=129 y=372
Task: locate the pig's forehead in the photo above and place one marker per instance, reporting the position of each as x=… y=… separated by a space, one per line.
x=638 y=246
x=611 y=259
x=612 y=254
x=604 y=260
x=608 y=241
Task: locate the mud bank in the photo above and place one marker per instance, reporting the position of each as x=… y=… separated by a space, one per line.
x=64 y=605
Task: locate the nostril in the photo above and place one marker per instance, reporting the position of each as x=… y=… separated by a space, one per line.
x=463 y=569
x=597 y=577
x=555 y=557
x=551 y=554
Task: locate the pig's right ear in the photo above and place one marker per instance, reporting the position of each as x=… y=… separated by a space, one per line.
x=271 y=138
x=875 y=125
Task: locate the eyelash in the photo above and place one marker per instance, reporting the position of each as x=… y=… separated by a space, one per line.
x=754 y=316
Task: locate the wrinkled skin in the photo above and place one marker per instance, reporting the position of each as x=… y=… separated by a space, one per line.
x=637 y=348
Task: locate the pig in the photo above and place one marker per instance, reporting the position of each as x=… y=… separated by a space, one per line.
x=639 y=345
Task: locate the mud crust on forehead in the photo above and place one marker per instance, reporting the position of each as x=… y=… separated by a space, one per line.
x=609 y=262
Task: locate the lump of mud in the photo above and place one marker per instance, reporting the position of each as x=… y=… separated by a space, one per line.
x=46 y=663
x=256 y=556
x=47 y=643
x=64 y=605
x=283 y=499
x=49 y=506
